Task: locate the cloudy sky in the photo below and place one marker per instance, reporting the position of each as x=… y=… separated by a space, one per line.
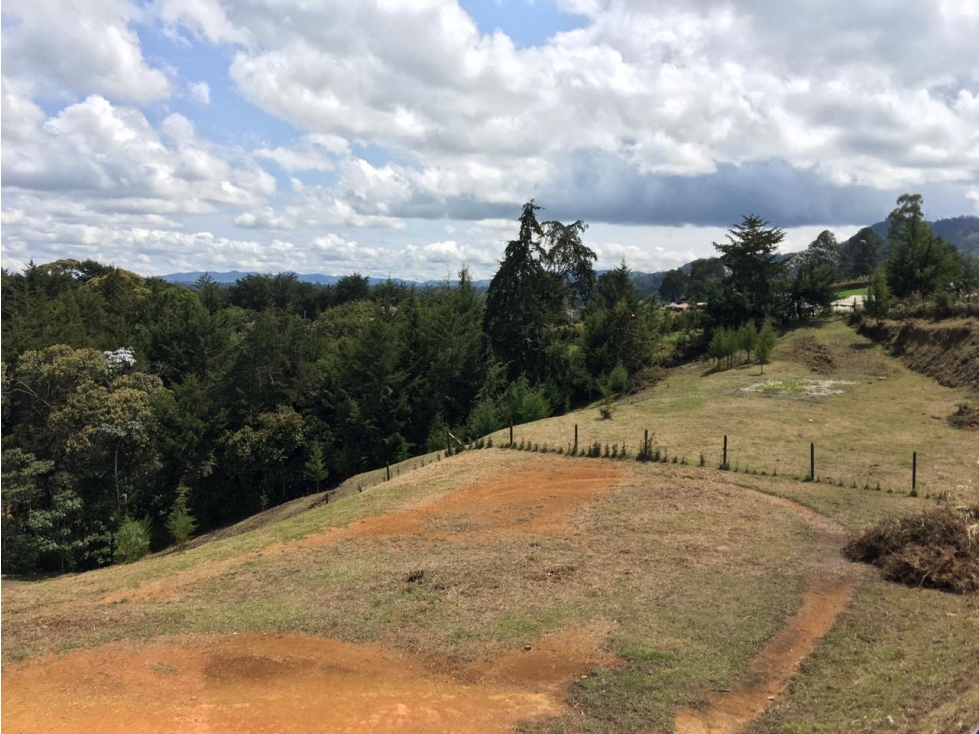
x=402 y=136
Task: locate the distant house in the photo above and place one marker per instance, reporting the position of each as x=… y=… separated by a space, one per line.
x=679 y=307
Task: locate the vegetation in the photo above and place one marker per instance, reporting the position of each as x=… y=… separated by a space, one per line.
x=120 y=393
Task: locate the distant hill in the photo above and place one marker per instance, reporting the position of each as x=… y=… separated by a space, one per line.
x=232 y=276
x=963 y=232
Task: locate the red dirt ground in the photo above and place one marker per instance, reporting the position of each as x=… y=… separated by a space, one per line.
x=289 y=683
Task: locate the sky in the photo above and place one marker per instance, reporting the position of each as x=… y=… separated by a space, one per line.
x=402 y=137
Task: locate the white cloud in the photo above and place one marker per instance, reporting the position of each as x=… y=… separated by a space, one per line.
x=84 y=46
x=670 y=88
x=309 y=153
x=111 y=159
x=200 y=92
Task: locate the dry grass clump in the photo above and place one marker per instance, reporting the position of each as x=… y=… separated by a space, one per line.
x=938 y=549
x=966 y=416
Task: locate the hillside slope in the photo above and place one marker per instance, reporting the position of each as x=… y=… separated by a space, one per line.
x=946 y=351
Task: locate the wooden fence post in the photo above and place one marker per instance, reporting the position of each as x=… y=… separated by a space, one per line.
x=914 y=470
x=576 y=438
x=388 y=467
x=724 y=462
x=812 y=462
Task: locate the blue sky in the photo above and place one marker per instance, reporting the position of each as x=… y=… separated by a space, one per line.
x=401 y=138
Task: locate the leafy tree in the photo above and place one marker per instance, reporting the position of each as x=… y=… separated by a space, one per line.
x=862 y=254
x=180 y=522
x=818 y=270
x=132 y=540
x=351 y=288
x=674 y=286
x=919 y=262
x=765 y=344
x=703 y=273
x=56 y=527
x=754 y=271
x=21 y=492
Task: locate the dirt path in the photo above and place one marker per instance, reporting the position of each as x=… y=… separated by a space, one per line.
x=766 y=680
x=290 y=683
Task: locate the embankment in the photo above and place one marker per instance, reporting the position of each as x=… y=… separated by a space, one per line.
x=946 y=351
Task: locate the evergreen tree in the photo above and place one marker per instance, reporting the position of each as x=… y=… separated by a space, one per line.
x=315 y=468
x=765 y=344
x=919 y=262
x=180 y=522
x=755 y=274
x=523 y=302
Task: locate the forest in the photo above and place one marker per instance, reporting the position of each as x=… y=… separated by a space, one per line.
x=136 y=411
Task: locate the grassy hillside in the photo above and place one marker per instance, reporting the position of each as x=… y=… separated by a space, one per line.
x=500 y=590
x=874 y=415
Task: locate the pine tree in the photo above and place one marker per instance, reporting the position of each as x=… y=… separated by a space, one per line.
x=180 y=522
x=755 y=273
x=765 y=344
x=315 y=468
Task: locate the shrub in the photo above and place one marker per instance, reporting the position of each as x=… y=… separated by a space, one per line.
x=938 y=549
x=618 y=378
x=132 y=540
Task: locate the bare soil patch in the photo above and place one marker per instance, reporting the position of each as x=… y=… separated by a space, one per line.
x=291 y=683
x=540 y=500
x=813 y=354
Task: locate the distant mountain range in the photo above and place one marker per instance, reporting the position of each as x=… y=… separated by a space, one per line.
x=963 y=232
x=232 y=276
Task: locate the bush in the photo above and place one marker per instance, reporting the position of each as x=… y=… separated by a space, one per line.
x=618 y=379
x=132 y=540
x=938 y=549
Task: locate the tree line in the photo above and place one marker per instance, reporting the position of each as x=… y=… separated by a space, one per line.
x=133 y=407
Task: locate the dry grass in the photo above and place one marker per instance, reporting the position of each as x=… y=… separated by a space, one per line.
x=865 y=436
x=938 y=549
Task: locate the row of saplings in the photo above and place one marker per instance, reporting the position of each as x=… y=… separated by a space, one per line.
x=938 y=549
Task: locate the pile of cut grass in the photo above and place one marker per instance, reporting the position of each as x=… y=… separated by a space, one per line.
x=938 y=549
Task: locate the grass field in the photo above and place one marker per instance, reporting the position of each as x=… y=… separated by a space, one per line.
x=851 y=292
x=501 y=590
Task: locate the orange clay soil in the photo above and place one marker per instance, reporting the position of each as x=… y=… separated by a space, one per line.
x=538 y=501
x=291 y=683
